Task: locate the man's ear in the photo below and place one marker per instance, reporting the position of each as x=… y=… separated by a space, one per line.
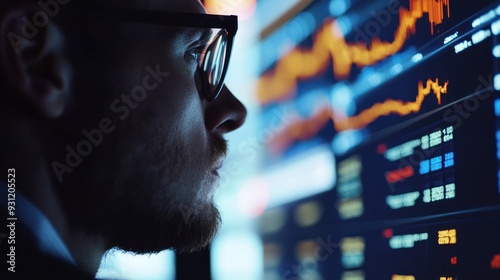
x=32 y=62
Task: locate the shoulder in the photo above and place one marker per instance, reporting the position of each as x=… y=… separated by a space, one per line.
x=24 y=260
x=30 y=264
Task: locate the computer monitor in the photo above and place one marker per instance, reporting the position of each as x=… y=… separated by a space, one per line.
x=382 y=126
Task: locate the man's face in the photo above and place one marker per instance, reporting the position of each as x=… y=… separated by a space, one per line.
x=150 y=185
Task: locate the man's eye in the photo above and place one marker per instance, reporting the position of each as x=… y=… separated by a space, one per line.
x=196 y=53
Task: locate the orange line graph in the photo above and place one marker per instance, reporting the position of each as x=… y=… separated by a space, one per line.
x=329 y=44
x=303 y=129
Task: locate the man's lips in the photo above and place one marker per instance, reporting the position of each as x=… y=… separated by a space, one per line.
x=218 y=162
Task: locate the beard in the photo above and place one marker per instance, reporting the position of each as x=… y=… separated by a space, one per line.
x=182 y=228
x=176 y=212
x=143 y=218
x=155 y=201
x=167 y=210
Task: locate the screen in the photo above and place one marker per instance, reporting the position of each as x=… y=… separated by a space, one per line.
x=394 y=105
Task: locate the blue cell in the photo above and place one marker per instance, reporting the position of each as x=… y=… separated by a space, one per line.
x=436 y=163
x=449 y=159
x=497 y=107
x=424 y=167
x=499 y=182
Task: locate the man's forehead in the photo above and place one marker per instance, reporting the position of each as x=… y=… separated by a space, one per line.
x=185 y=6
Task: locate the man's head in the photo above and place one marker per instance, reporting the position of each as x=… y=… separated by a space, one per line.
x=118 y=118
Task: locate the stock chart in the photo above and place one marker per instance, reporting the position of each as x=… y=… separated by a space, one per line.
x=403 y=96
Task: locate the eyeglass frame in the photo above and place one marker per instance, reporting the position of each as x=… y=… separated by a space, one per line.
x=227 y=24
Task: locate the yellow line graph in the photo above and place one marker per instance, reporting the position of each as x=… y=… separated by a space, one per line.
x=329 y=44
x=303 y=129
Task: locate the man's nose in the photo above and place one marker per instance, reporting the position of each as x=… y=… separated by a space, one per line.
x=225 y=114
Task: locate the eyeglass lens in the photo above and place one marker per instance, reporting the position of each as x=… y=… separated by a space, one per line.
x=215 y=60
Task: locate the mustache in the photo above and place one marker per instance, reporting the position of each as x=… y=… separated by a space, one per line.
x=219 y=150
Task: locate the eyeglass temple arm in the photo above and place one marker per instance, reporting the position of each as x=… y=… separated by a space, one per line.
x=230 y=23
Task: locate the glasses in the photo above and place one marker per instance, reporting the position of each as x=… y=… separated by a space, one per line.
x=214 y=62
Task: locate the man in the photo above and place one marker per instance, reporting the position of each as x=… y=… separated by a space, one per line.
x=112 y=130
